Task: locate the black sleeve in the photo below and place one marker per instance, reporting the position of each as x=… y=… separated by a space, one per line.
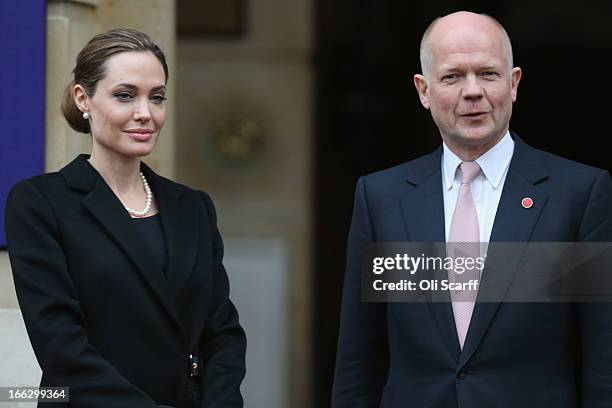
x=362 y=357
x=596 y=317
x=50 y=306
x=223 y=344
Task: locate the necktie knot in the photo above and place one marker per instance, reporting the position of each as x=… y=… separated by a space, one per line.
x=469 y=170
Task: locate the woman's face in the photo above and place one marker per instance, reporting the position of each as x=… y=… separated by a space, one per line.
x=127 y=110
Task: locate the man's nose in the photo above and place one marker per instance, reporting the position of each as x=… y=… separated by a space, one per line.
x=472 y=88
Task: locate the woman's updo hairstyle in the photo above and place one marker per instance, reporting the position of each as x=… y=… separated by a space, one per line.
x=91 y=67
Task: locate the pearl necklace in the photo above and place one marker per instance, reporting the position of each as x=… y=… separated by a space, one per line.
x=147 y=203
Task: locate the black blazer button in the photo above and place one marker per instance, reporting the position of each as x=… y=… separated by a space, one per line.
x=194 y=366
x=461 y=375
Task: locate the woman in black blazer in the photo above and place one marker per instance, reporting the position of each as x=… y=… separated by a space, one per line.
x=118 y=271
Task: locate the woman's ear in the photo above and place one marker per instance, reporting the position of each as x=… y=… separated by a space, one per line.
x=81 y=99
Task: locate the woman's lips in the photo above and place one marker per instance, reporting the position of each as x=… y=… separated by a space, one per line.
x=140 y=135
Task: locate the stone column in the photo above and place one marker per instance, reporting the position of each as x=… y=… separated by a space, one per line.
x=232 y=85
x=70 y=24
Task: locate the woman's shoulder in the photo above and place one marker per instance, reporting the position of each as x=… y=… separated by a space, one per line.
x=55 y=181
x=40 y=184
x=180 y=189
x=183 y=191
x=34 y=195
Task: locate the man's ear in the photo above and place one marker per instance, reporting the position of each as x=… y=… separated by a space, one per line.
x=81 y=99
x=420 y=83
x=516 y=78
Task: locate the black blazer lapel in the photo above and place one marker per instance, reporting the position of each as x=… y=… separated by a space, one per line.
x=179 y=219
x=106 y=208
x=513 y=223
x=423 y=212
x=423 y=205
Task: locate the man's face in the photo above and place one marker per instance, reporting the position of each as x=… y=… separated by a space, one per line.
x=469 y=87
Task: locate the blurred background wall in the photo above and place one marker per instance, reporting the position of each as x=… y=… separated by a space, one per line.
x=275 y=108
x=244 y=134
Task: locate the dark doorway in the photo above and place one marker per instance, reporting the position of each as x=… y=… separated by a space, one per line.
x=368 y=116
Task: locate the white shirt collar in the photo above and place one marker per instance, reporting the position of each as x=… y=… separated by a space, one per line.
x=493 y=162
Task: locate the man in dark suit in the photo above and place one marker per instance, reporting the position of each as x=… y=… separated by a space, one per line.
x=484 y=184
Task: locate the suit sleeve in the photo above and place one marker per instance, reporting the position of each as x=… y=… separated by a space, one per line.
x=50 y=306
x=223 y=345
x=362 y=356
x=596 y=317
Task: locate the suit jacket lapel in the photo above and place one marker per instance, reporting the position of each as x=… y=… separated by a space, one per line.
x=423 y=212
x=513 y=223
x=106 y=208
x=180 y=226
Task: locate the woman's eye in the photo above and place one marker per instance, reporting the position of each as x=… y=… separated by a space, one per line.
x=158 y=98
x=123 y=96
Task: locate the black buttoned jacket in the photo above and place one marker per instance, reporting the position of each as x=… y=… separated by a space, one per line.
x=102 y=317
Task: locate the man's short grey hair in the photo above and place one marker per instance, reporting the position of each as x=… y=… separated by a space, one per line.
x=427 y=57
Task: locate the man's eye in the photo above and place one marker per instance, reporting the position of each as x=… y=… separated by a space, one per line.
x=489 y=74
x=123 y=96
x=449 y=77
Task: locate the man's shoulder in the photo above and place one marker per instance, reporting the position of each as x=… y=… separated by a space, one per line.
x=412 y=170
x=557 y=166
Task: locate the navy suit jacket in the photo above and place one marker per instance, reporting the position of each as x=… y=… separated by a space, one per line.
x=102 y=318
x=516 y=355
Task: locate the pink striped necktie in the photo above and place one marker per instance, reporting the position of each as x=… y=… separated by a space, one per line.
x=463 y=241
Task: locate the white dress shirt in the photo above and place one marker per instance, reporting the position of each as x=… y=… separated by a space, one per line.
x=486 y=188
